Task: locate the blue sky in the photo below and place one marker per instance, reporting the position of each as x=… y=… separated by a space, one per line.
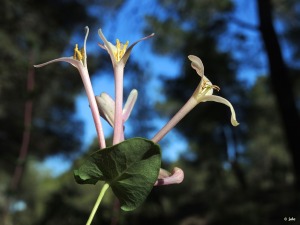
x=119 y=25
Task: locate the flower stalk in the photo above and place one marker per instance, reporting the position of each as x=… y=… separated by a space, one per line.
x=118 y=117
x=188 y=106
x=94 y=108
x=99 y=199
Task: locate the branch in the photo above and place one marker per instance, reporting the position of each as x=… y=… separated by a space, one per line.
x=26 y=133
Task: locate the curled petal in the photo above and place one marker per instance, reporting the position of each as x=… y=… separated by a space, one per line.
x=129 y=104
x=74 y=62
x=84 y=44
x=197 y=64
x=163 y=173
x=127 y=53
x=106 y=106
x=108 y=46
x=224 y=101
x=166 y=178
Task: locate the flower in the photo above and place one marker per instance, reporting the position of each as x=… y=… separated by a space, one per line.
x=119 y=53
x=167 y=178
x=204 y=91
x=79 y=61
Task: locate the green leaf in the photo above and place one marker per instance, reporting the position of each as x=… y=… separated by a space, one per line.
x=130 y=168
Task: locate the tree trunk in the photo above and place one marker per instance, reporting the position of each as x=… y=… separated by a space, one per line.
x=281 y=85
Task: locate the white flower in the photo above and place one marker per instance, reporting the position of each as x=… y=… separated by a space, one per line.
x=119 y=53
x=204 y=91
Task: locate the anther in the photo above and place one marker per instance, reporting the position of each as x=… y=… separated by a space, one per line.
x=216 y=87
x=78 y=54
x=120 y=50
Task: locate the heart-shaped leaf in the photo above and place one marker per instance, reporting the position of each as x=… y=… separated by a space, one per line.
x=130 y=168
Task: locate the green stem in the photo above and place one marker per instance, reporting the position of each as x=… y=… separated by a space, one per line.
x=102 y=192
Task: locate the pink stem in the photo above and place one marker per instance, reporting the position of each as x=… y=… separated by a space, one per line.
x=94 y=108
x=189 y=105
x=118 y=118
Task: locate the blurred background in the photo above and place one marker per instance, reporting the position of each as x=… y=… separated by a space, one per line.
x=248 y=174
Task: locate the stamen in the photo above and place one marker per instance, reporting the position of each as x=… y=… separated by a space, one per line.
x=82 y=52
x=120 y=50
x=216 y=87
x=206 y=87
x=118 y=45
x=78 y=54
x=209 y=85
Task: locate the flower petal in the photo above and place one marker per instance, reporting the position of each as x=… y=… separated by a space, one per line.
x=74 y=62
x=84 y=45
x=224 y=101
x=128 y=51
x=106 y=106
x=129 y=104
x=204 y=88
x=163 y=173
x=166 y=178
x=108 y=46
x=197 y=64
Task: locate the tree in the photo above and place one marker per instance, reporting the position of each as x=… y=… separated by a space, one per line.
x=279 y=75
x=33 y=31
x=258 y=144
